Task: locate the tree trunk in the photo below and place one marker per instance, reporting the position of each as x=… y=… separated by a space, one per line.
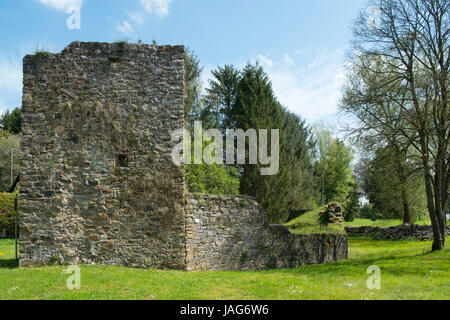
x=438 y=191
x=438 y=238
x=406 y=211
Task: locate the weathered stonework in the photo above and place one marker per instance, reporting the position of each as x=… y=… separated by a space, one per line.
x=402 y=232
x=98 y=182
x=233 y=233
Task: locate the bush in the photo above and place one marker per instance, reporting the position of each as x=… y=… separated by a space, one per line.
x=214 y=179
x=7 y=217
x=368 y=212
x=324 y=218
x=351 y=206
x=8 y=142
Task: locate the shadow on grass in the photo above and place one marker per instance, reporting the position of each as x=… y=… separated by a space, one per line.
x=9 y=264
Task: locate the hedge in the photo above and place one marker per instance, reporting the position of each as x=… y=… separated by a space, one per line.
x=7 y=219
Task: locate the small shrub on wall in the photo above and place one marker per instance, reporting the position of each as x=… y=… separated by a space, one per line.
x=7 y=219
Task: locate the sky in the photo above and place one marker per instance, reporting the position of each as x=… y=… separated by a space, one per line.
x=301 y=44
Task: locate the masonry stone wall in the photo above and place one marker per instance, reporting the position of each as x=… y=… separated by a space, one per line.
x=233 y=233
x=98 y=184
x=402 y=232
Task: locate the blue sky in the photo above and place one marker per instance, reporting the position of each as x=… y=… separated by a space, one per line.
x=300 y=44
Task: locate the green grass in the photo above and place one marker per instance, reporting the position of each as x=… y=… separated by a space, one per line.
x=386 y=223
x=408 y=271
x=7 y=254
x=308 y=223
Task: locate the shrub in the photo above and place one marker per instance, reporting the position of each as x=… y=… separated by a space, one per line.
x=324 y=218
x=368 y=212
x=7 y=217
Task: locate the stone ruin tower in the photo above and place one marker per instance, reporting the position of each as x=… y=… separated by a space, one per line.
x=98 y=185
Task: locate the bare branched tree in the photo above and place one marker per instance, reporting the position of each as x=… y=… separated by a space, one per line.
x=398 y=90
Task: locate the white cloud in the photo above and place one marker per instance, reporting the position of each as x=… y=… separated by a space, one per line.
x=307 y=83
x=159 y=7
x=10 y=82
x=264 y=60
x=288 y=59
x=124 y=27
x=310 y=85
x=136 y=17
x=10 y=74
x=63 y=5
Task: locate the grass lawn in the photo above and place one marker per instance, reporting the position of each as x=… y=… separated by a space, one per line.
x=408 y=271
x=387 y=223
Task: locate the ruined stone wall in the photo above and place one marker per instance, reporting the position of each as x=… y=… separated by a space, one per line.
x=233 y=233
x=402 y=232
x=98 y=184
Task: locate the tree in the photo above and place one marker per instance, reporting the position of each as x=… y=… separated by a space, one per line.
x=351 y=204
x=221 y=98
x=333 y=167
x=244 y=99
x=257 y=108
x=8 y=143
x=412 y=44
x=391 y=194
x=297 y=153
x=215 y=178
x=11 y=121
x=192 y=89
x=372 y=97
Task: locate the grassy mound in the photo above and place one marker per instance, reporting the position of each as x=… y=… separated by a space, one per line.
x=308 y=223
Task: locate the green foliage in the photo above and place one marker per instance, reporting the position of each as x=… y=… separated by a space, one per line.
x=351 y=205
x=393 y=185
x=8 y=142
x=215 y=179
x=43 y=53
x=42 y=50
x=333 y=167
x=368 y=212
x=192 y=89
x=314 y=222
x=7 y=214
x=247 y=101
x=11 y=121
x=296 y=153
x=257 y=108
x=221 y=98
x=244 y=99
x=324 y=218
x=122 y=41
